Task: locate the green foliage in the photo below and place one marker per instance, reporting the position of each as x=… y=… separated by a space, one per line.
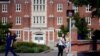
x=63 y=30
x=81 y=26
x=4 y=28
x=27 y=47
x=96 y=13
x=80 y=2
x=2 y=48
x=59 y=33
x=95 y=5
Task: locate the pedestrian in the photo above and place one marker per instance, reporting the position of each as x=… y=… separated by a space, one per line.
x=61 y=46
x=14 y=36
x=67 y=45
x=9 y=42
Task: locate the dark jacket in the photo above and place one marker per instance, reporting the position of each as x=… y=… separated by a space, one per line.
x=9 y=41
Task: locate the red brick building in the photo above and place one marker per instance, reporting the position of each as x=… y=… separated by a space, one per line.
x=39 y=20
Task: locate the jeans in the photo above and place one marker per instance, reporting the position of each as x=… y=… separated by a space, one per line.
x=11 y=50
x=60 y=50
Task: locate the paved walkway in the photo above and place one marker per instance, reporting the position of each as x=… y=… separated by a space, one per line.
x=50 y=53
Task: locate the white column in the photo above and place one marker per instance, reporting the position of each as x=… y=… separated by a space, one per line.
x=70 y=33
x=53 y=36
x=48 y=35
x=28 y=35
x=23 y=36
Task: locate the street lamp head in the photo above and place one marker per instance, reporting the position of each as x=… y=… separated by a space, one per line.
x=70 y=13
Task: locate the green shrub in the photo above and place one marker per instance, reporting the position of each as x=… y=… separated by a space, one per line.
x=26 y=47
x=2 y=48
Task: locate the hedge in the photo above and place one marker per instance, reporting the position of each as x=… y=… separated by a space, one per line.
x=26 y=47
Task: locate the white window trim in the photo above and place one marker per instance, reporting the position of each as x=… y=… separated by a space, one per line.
x=34 y=34
x=75 y=8
x=59 y=20
x=38 y=13
x=18 y=6
x=39 y=6
x=59 y=6
x=4 y=20
x=88 y=8
x=88 y=19
x=19 y=34
x=38 y=19
x=18 y=20
x=4 y=8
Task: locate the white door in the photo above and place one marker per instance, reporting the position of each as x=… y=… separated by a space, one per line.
x=39 y=39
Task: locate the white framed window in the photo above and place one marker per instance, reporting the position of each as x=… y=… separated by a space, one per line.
x=38 y=19
x=4 y=7
x=59 y=7
x=18 y=33
x=88 y=20
x=18 y=7
x=18 y=20
x=39 y=5
x=75 y=8
x=88 y=8
x=59 y=20
x=4 y=20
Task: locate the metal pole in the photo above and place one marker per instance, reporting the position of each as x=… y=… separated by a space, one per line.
x=70 y=33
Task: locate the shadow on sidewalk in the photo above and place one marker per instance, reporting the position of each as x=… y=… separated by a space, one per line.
x=86 y=53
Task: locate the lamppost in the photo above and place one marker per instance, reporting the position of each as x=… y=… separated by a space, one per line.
x=70 y=14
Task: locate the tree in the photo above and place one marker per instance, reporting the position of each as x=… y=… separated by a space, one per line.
x=4 y=28
x=95 y=5
x=81 y=26
x=63 y=30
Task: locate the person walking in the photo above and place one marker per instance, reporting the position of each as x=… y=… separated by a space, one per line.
x=9 y=42
x=67 y=45
x=61 y=46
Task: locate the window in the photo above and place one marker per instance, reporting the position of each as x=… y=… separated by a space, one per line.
x=88 y=20
x=59 y=20
x=59 y=7
x=18 y=20
x=4 y=7
x=38 y=19
x=39 y=37
x=4 y=20
x=88 y=8
x=18 y=7
x=39 y=5
x=75 y=8
x=18 y=33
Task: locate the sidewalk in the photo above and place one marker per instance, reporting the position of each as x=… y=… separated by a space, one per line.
x=48 y=53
